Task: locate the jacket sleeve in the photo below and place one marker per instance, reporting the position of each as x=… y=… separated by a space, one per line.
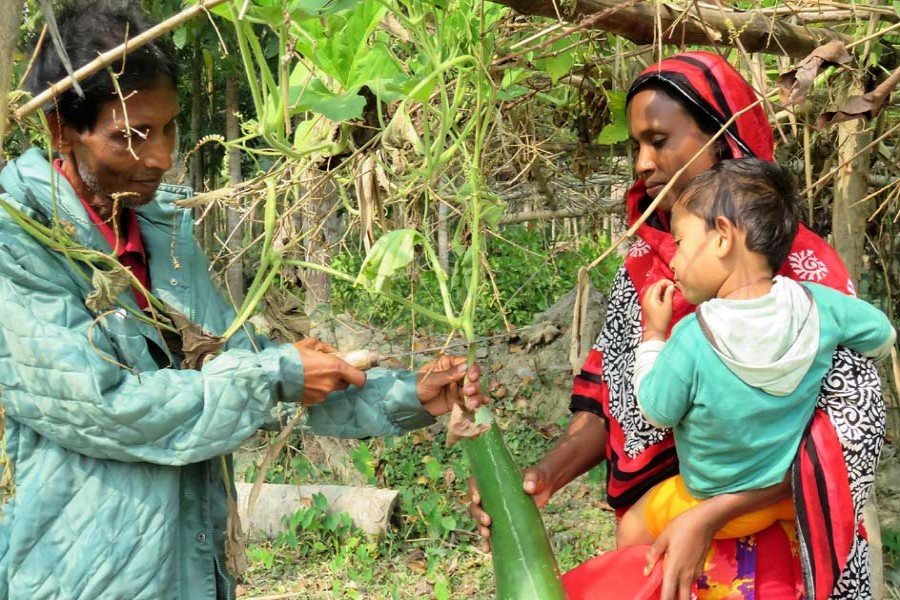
x=60 y=378
x=665 y=391
x=388 y=404
x=865 y=329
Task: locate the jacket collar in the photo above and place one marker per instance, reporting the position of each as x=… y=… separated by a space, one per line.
x=40 y=191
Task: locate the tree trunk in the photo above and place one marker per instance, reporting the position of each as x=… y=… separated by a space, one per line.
x=318 y=231
x=10 y=12
x=702 y=26
x=234 y=274
x=851 y=184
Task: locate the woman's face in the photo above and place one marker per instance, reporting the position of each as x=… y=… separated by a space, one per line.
x=667 y=137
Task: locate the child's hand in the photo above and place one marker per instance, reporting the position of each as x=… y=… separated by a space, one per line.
x=657 y=307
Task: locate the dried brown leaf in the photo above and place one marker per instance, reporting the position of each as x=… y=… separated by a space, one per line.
x=107 y=287
x=462 y=425
x=449 y=477
x=368 y=197
x=867 y=106
x=235 y=541
x=794 y=84
x=579 y=319
x=285 y=315
x=197 y=346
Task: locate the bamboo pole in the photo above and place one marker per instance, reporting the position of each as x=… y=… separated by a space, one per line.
x=111 y=56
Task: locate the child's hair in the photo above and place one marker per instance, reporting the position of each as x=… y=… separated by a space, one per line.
x=756 y=195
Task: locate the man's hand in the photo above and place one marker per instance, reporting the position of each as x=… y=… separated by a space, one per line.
x=324 y=373
x=657 y=308
x=439 y=385
x=684 y=543
x=536 y=484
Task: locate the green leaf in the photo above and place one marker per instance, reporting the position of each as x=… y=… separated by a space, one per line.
x=179 y=38
x=617 y=129
x=492 y=211
x=613 y=133
x=557 y=66
x=392 y=252
x=513 y=76
x=332 y=521
x=320 y=502
x=448 y=523
x=432 y=468
x=332 y=106
x=441 y=590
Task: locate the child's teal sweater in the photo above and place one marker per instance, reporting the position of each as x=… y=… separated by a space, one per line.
x=731 y=436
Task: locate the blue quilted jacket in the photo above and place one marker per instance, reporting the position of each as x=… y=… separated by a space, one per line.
x=115 y=454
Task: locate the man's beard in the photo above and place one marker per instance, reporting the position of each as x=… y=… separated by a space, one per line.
x=119 y=199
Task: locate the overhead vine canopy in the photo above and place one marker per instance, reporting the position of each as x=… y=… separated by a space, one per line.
x=360 y=117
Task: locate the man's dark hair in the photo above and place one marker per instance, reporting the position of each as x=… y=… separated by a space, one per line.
x=756 y=195
x=88 y=29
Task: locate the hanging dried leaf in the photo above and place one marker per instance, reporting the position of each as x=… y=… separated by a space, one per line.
x=197 y=346
x=794 y=84
x=7 y=480
x=107 y=287
x=579 y=319
x=369 y=198
x=867 y=106
x=235 y=541
x=285 y=316
x=463 y=425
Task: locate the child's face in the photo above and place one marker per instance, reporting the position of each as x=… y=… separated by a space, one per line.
x=698 y=270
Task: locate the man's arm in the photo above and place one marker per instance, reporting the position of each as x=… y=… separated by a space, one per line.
x=68 y=387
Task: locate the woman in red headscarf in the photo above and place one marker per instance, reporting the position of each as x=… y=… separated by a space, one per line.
x=674 y=108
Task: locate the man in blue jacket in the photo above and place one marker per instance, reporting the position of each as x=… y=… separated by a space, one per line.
x=114 y=451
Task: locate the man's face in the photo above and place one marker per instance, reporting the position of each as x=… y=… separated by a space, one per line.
x=115 y=167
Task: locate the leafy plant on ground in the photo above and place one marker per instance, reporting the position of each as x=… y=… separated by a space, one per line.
x=529 y=273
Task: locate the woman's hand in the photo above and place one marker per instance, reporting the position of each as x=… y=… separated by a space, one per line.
x=657 y=308
x=577 y=451
x=536 y=484
x=684 y=543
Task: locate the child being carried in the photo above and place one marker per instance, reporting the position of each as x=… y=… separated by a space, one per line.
x=738 y=379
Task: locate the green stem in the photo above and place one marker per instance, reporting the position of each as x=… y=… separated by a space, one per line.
x=247 y=60
x=253 y=300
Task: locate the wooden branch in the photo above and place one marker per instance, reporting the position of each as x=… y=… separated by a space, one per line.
x=701 y=26
x=111 y=56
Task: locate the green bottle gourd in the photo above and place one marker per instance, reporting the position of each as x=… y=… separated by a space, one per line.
x=524 y=564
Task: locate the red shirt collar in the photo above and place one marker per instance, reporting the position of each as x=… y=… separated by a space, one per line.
x=128 y=224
